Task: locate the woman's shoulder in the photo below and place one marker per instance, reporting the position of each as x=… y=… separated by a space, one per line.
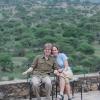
x=62 y=54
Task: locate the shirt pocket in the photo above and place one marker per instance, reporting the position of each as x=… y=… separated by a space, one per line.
x=49 y=63
x=41 y=61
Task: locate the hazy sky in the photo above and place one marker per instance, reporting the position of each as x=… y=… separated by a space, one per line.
x=95 y=0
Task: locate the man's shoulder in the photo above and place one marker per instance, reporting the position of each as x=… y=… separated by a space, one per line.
x=39 y=56
x=51 y=57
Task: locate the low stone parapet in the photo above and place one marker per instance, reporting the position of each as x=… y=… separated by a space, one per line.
x=15 y=88
x=21 y=88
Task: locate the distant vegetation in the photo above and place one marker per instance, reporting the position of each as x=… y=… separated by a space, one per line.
x=25 y=25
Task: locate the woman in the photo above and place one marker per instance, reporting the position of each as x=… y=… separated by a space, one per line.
x=63 y=72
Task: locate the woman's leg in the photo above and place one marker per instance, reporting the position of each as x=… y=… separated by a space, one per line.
x=62 y=85
x=68 y=89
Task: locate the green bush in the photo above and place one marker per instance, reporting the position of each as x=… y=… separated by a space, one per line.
x=6 y=62
x=80 y=70
x=86 y=48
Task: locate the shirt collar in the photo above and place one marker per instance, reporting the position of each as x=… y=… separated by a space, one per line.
x=43 y=57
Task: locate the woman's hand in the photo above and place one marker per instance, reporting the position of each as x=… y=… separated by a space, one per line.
x=56 y=72
x=60 y=70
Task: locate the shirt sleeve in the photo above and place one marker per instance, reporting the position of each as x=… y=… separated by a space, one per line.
x=35 y=62
x=64 y=57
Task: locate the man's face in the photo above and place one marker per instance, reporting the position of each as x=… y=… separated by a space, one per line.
x=47 y=51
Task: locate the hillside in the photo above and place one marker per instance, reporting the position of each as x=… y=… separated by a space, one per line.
x=27 y=24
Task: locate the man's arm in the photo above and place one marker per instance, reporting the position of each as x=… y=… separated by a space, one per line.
x=27 y=71
x=33 y=66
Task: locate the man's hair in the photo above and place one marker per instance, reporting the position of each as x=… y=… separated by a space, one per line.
x=48 y=45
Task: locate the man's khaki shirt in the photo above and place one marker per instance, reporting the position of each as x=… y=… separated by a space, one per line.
x=41 y=66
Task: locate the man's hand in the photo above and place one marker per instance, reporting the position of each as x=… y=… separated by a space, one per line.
x=24 y=73
x=27 y=71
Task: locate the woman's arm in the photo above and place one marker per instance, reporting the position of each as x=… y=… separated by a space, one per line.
x=66 y=65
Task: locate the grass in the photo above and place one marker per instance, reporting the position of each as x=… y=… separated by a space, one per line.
x=18 y=69
x=97 y=49
x=19 y=60
x=12 y=75
x=1 y=16
x=7 y=75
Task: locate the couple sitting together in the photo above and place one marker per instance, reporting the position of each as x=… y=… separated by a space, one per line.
x=51 y=61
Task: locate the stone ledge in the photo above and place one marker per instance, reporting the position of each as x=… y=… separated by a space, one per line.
x=20 y=88
x=14 y=89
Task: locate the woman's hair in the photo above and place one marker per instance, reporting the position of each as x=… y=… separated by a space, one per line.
x=55 y=45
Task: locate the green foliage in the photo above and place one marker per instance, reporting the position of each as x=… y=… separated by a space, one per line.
x=33 y=23
x=87 y=62
x=76 y=58
x=73 y=42
x=30 y=55
x=5 y=62
x=67 y=48
x=86 y=48
x=73 y=31
x=80 y=70
x=41 y=32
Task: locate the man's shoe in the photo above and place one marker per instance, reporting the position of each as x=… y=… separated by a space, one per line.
x=48 y=98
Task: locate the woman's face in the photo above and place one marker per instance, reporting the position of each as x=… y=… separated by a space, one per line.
x=55 y=51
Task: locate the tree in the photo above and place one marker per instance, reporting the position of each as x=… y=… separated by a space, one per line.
x=71 y=31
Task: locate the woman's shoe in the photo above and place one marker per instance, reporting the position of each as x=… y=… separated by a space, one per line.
x=69 y=98
x=60 y=97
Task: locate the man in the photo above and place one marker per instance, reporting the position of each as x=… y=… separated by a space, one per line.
x=42 y=65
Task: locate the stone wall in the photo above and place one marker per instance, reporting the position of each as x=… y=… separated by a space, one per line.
x=14 y=90
x=17 y=89
x=20 y=88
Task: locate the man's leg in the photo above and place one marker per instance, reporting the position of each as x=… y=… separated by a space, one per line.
x=48 y=86
x=36 y=86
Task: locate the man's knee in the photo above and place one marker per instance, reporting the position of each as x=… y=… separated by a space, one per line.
x=35 y=81
x=47 y=80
